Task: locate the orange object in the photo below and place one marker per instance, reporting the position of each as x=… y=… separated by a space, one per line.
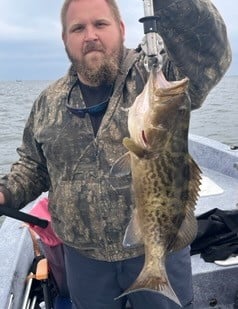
x=42 y=270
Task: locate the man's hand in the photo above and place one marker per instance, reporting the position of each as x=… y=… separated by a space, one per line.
x=2 y=198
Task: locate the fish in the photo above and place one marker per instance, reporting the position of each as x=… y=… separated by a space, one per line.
x=165 y=178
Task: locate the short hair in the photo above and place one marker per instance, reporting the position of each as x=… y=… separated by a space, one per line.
x=112 y=4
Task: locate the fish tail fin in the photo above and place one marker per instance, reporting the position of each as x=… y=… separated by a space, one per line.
x=149 y=281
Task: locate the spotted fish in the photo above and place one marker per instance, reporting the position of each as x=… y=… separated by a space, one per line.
x=165 y=179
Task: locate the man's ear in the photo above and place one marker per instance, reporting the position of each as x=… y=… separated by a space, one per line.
x=122 y=28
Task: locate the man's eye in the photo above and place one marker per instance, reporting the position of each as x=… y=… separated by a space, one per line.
x=101 y=24
x=77 y=29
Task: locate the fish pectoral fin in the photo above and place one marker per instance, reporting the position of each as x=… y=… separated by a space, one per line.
x=122 y=166
x=133 y=234
x=187 y=232
x=133 y=147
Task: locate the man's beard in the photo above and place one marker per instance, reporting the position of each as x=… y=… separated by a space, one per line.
x=103 y=71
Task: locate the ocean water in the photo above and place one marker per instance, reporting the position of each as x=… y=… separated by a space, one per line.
x=216 y=119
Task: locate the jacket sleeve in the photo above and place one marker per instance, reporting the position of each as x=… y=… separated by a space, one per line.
x=196 y=42
x=28 y=177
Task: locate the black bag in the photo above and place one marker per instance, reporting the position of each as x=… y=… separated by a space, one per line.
x=217 y=236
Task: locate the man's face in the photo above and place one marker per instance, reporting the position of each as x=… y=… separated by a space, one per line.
x=93 y=41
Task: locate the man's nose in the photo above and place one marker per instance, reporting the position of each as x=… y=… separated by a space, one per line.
x=90 y=34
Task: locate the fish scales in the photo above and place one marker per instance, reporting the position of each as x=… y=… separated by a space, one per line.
x=160 y=206
x=165 y=179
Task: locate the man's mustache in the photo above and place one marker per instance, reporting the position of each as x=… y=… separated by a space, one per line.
x=92 y=46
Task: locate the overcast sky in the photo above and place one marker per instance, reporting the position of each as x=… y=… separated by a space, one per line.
x=30 y=36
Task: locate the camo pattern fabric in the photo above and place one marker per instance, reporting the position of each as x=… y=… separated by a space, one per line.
x=90 y=208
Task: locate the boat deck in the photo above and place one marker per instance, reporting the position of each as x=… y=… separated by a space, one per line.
x=215 y=286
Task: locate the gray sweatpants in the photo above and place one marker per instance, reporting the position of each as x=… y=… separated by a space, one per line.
x=94 y=284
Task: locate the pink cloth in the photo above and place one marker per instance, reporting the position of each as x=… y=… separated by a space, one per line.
x=47 y=235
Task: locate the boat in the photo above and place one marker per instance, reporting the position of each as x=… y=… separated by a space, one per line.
x=214 y=285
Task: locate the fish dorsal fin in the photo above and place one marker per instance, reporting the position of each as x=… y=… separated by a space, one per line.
x=133 y=147
x=188 y=229
x=133 y=235
x=122 y=166
x=187 y=232
x=194 y=181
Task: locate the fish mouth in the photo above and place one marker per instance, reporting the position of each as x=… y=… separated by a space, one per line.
x=160 y=82
x=148 y=117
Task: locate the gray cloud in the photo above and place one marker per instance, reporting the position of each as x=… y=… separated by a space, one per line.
x=25 y=60
x=30 y=36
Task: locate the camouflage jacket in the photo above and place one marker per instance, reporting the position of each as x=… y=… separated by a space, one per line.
x=90 y=209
